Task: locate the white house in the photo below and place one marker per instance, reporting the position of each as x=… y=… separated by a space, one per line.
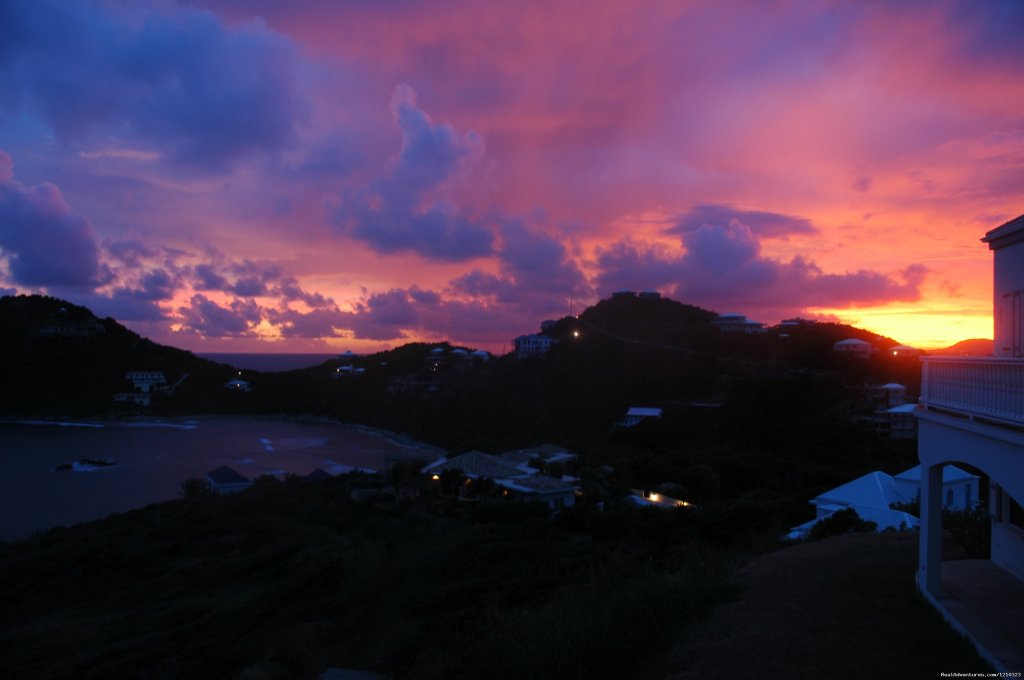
x=736 y=323
x=972 y=410
x=225 y=480
x=899 y=422
x=147 y=381
x=959 y=488
x=637 y=414
x=137 y=398
x=513 y=473
x=533 y=345
x=872 y=496
x=854 y=347
x=238 y=385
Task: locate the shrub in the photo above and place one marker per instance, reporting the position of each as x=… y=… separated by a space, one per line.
x=840 y=522
x=194 y=488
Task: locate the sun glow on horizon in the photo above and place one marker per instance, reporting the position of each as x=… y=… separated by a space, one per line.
x=920 y=327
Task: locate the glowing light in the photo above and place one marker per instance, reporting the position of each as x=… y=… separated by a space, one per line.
x=435 y=477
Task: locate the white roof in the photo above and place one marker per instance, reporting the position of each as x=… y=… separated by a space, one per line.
x=950 y=473
x=893 y=386
x=886 y=518
x=643 y=412
x=873 y=490
x=903 y=408
x=853 y=341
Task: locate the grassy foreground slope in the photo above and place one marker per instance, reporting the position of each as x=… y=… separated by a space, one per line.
x=843 y=608
x=288 y=579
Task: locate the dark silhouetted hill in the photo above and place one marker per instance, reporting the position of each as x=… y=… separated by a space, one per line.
x=58 y=359
x=976 y=347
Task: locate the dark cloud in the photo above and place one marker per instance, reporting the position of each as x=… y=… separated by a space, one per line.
x=249 y=279
x=405 y=211
x=722 y=269
x=130 y=253
x=125 y=305
x=44 y=242
x=249 y=286
x=207 y=278
x=200 y=92
x=317 y=323
x=158 y=284
x=290 y=290
x=536 y=271
x=767 y=224
x=208 y=319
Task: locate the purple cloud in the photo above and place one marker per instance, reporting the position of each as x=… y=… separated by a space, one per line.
x=208 y=319
x=762 y=223
x=317 y=323
x=44 y=242
x=406 y=211
x=202 y=93
x=722 y=269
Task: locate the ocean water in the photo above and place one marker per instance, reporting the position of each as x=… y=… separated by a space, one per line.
x=153 y=458
x=268 y=362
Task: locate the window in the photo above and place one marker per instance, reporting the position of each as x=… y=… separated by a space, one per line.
x=1014 y=512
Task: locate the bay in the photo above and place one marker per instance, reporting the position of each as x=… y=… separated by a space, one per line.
x=152 y=458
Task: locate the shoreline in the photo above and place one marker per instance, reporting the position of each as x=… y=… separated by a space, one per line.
x=191 y=422
x=36 y=499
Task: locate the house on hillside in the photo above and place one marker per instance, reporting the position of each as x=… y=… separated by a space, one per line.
x=903 y=351
x=888 y=395
x=147 y=381
x=873 y=495
x=972 y=410
x=638 y=414
x=736 y=323
x=854 y=347
x=655 y=499
x=238 y=385
x=898 y=422
x=137 y=398
x=534 y=345
x=516 y=475
x=959 y=487
x=225 y=480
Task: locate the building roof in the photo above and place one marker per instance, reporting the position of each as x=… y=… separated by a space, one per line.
x=225 y=475
x=852 y=342
x=903 y=408
x=1005 y=234
x=873 y=490
x=893 y=386
x=537 y=484
x=644 y=412
x=950 y=473
x=475 y=464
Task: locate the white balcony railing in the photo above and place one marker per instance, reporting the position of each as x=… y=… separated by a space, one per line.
x=987 y=387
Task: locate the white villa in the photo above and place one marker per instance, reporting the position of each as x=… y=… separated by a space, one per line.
x=972 y=410
x=147 y=381
x=516 y=473
x=736 y=323
x=637 y=414
x=873 y=494
x=861 y=349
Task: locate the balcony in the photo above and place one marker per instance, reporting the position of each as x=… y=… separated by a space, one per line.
x=984 y=388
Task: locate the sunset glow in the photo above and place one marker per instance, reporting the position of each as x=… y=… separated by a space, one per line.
x=319 y=176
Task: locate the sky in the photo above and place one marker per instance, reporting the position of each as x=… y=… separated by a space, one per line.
x=320 y=176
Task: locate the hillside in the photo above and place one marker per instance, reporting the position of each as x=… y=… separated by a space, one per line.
x=974 y=347
x=60 y=360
